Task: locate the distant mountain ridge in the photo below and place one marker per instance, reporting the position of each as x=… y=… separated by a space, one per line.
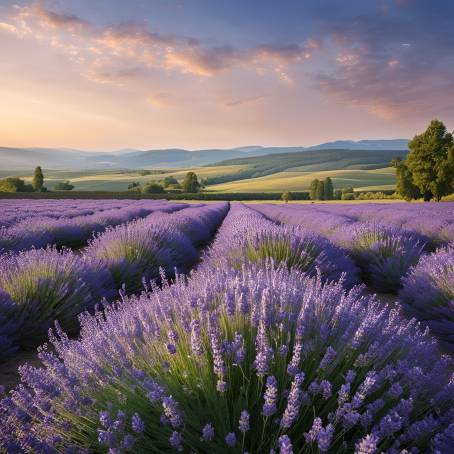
x=70 y=159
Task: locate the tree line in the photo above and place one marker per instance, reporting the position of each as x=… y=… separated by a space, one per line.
x=428 y=170
x=189 y=185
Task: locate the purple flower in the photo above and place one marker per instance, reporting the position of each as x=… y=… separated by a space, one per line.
x=137 y=424
x=293 y=402
x=171 y=411
x=207 y=432
x=271 y=396
x=176 y=441
x=171 y=349
x=244 y=421
x=230 y=439
x=285 y=445
x=367 y=445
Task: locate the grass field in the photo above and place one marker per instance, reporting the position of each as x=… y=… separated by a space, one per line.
x=118 y=181
x=294 y=179
x=297 y=180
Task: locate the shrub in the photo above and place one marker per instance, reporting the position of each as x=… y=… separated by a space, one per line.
x=247 y=360
x=299 y=249
x=153 y=188
x=428 y=294
x=14 y=185
x=138 y=250
x=385 y=253
x=47 y=285
x=64 y=186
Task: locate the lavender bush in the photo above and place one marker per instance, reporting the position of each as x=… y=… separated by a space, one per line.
x=247 y=236
x=40 y=231
x=385 y=254
x=237 y=360
x=44 y=285
x=428 y=294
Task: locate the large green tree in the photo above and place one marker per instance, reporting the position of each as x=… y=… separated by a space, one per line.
x=313 y=189
x=321 y=190
x=190 y=183
x=38 y=179
x=431 y=161
x=405 y=186
x=329 y=189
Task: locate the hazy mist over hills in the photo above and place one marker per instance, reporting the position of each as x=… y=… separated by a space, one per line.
x=69 y=159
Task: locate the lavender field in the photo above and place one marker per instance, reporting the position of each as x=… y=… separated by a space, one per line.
x=209 y=328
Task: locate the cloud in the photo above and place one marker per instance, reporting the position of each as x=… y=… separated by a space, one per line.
x=247 y=100
x=159 y=99
x=93 y=45
x=394 y=63
x=8 y=27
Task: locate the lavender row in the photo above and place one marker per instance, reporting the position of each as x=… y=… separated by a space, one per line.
x=392 y=259
x=42 y=285
x=40 y=231
x=384 y=252
x=242 y=357
x=248 y=236
x=14 y=211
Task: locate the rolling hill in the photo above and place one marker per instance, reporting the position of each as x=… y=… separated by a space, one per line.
x=20 y=159
x=307 y=164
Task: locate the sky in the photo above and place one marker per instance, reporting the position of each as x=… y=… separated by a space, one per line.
x=114 y=74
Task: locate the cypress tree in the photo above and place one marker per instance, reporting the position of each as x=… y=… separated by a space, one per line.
x=313 y=189
x=329 y=189
x=38 y=180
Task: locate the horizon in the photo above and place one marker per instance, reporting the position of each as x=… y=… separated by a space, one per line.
x=126 y=149
x=98 y=75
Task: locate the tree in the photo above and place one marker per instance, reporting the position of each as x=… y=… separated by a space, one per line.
x=13 y=184
x=153 y=188
x=337 y=194
x=313 y=189
x=286 y=196
x=64 y=186
x=169 y=180
x=329 y=189
x=321 y=191
x=405 y=186
x=134 y=186
x=38 y=179
x=431 y=161
x=190 y=183
x=348 y=194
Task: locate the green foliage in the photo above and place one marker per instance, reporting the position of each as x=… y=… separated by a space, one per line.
x=13 y=184
x=337 y=194
x=329 y=189
x=152 y=188
x=170 y=180
x=134 y=186
x=321 y=190
x=313 y=189
x=378 y=195
x=348 y=194
x=431 y=161
x=64 y=186
x=405 y=186
x=38 y=180
x=144 y=173
x=190 y=183
x=286 y=196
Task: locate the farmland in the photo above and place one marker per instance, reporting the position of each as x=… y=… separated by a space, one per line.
x=152 y=326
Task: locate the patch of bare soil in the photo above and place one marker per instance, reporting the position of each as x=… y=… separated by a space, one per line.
x=9 y=374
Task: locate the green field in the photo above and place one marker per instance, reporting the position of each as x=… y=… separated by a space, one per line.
x=118 y=180
x=361 y=169
x=365 y=180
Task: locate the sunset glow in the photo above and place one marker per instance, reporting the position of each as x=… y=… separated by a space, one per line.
x=103 y=75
